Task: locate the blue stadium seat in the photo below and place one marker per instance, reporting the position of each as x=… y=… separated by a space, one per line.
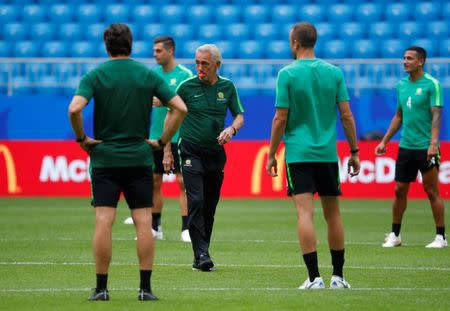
x=381 y=30
x=26 y=49
x=135 y=31
x=352 y=31
x=340 y=13
x=48 y=84
x=444 y=48
x=61 y=13
x=94 y=32
x=22 y=85
x=326 y=31
x=185 y=2
x=101 y=50
x=250 y=49
x=438 y=29
x=446 y=11
x=283 y=14
x=237 y=32
x=254 y=14
x=172 y=14
x=70 y=32
x=199 y=14
x=142 y=49
x=181 y=32
x=410 y=30
x=427 y=11
x=364 y=49
x=368 y=12
x=83 y=49
x=5 y=49
x=227 y=49
x=108 y=2
x=430 y=45
x=189 y=48
x=266 y=32
x=89 y=13
x=55 y=49
x=393 y=48
x=151 y=31
x=312 y=13
x=278 y=49
x=246 y=85
x=227 y=14
x=49 y=2
x=437 y=70
x=232 y=71
x=8 y=13
x=144 y=14
x=335 y=49
x=63 y=71
x=209 y=32
x=43 y=31
x=33 y=13
x=211 y=2
x=397 y=12
x=15 y=31
x=117 y=13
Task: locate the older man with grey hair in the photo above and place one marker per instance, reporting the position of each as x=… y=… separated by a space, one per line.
x=203 y=134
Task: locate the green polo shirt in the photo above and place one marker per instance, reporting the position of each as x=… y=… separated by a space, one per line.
x=207 y=108
x=310 y=89
x=123 y=90
x=415 y=99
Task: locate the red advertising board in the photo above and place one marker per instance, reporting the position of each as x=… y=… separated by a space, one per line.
x=60 y=168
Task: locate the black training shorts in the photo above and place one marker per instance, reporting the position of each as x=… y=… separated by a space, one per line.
x=136 y=183
x=312 y=177
x=410 y=161
x=158 y=167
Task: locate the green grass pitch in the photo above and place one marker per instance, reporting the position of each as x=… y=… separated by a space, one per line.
x=46 y=259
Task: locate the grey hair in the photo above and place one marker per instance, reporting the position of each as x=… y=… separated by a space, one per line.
x=211 y=49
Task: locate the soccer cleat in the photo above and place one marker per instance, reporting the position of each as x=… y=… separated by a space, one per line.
x=316 y=284
x=128 y=221
x=203 y=263
x=337 y=282
x=158 y=235
x=185 y=237
x=439 y=242
x=145 y=295
x=391 y=240
x=99 y=295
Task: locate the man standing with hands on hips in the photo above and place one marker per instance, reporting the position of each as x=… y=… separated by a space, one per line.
x=208 y=97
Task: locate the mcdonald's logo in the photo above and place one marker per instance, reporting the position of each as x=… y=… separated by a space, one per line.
x=259 y=169
x=11 y=176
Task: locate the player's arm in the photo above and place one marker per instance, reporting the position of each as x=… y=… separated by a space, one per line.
x=395 y=125
x=227 y=133
x=175 y=115
x=278 y=127
x=348 y=123
x=433 y=149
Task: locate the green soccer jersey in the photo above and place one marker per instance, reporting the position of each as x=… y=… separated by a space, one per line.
x=122 y=90
x=173 y=78
x=310 y=89
x=415 y=99
x=207 y=108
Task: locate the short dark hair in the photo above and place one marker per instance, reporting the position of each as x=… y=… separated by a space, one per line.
x=305 y=34
x=118 y=39
x=421 y=53
x=167 y=42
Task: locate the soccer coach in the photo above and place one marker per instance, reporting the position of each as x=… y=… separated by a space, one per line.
x=202 y=136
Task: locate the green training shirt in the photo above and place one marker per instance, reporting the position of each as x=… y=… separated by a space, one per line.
x=415 y=99
x=207 y=108
x=123 y=90
x=173 y=78
x=310 y=89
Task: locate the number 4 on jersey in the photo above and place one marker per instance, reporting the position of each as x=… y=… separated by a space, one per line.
x=408 y=103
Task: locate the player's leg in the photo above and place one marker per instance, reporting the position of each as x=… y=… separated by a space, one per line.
x=157 y=206
x=182 y=198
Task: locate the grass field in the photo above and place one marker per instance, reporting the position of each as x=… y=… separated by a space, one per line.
x=46 y=260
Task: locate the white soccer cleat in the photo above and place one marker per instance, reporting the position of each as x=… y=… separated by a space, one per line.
x=185 y=237
x=128 y=221
x=337 y=282
x=158 y=235
x=392 y=240
x=316 y=284
x=439 y=242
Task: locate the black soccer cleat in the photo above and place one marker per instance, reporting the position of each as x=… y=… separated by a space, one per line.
x=99 y=295
x=203 y=263
x=145 y=294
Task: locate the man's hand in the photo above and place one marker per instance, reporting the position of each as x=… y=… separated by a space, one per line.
x=225 y=135
x=272 y=166
x=353 y=165
x=380 y=149
x=156 y=102
x=433 y=151
x=88 y=143
x=154 y=144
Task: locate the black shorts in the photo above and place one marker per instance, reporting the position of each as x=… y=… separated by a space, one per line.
x=136 y=183
x=312 y=177
x=158 y=167
x=409 y=162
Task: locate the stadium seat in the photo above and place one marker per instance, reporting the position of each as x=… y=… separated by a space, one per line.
x=151 y=31
x=227 y=14
x=364 y=49
x=237 y=32
x=446 y=11
x=5 y=49
x=246 y=85
x=227 y=49
x=340 y=13
x=393 y=48
x=181 y=32
x=70 y=32
x=15 y=31
x=326 y=31
x=55 y=49
x=427 y=11
x=250 y=49
x=198 y=15
x=211 y=2
x=380 y=30
x=335 y=49
x=283 y=14
x=410 y=30
x=143 y=14
x=312 y=13
x=48 y=84
x=42 y=31
x=89 y=13
x=209 y=32
x=26 y=49
x=172 y=14
x=94 y=32
x=135 y=31
x=63 y=71
x=61 y=13
x=232 y=71
x=83 y=49
x=142 y=49
x=189 y=48
x=430 y=45
x=8 y=13
x=185 y=2
x=437 y=70
x=50 y=2
x=438 y=29
x=368 y=12
x=34 y=13
x=117 y=13
x=254 y=14
x=397 y=12
x=278 y=49
x=21 y=85
x=352 y=31
x=266 y=32
x=444 y=48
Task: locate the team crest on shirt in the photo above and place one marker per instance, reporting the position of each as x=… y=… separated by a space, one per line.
x=173 y=81
x=188 y=163
x=419 y=91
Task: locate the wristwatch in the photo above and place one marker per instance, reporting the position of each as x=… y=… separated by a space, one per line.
x=80 y=140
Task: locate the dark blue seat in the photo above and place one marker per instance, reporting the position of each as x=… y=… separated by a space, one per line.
x=15 y=31
x=70 y=32
x=209 y=32
x=189 y=48
x=381 y=30
x=141 y=49
x=237 y=32
x=143 y=14
x=227 y=14
x=26 y=49
x=88 y=13
x=339 y=13
x=42 y=31
x=227 y=48
x=172 y=14
x=199 y=14
x=61 y=13
x=312 y=13
x=181 y=32
x=266 y=32
x=430 y=45
x=278 y=49
x=8 y=13
x=94 y=32
x=394 y=48
x=335 y=49
x=446 y=11
x=151 y=31
x=55 y=49
x=255 y=13
x=135 y=31
x=397 y=12
x=283 y=14
x=427 y=11
x=326 y=31
x=352 y=31
x=364 y=48
x=368 y=12
x=444 y=48
x=438 y=29
x=83 y=49
x=33 y=13
x=117 y=13
x=410 y=30
x=5 y=49
x=250 y=49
